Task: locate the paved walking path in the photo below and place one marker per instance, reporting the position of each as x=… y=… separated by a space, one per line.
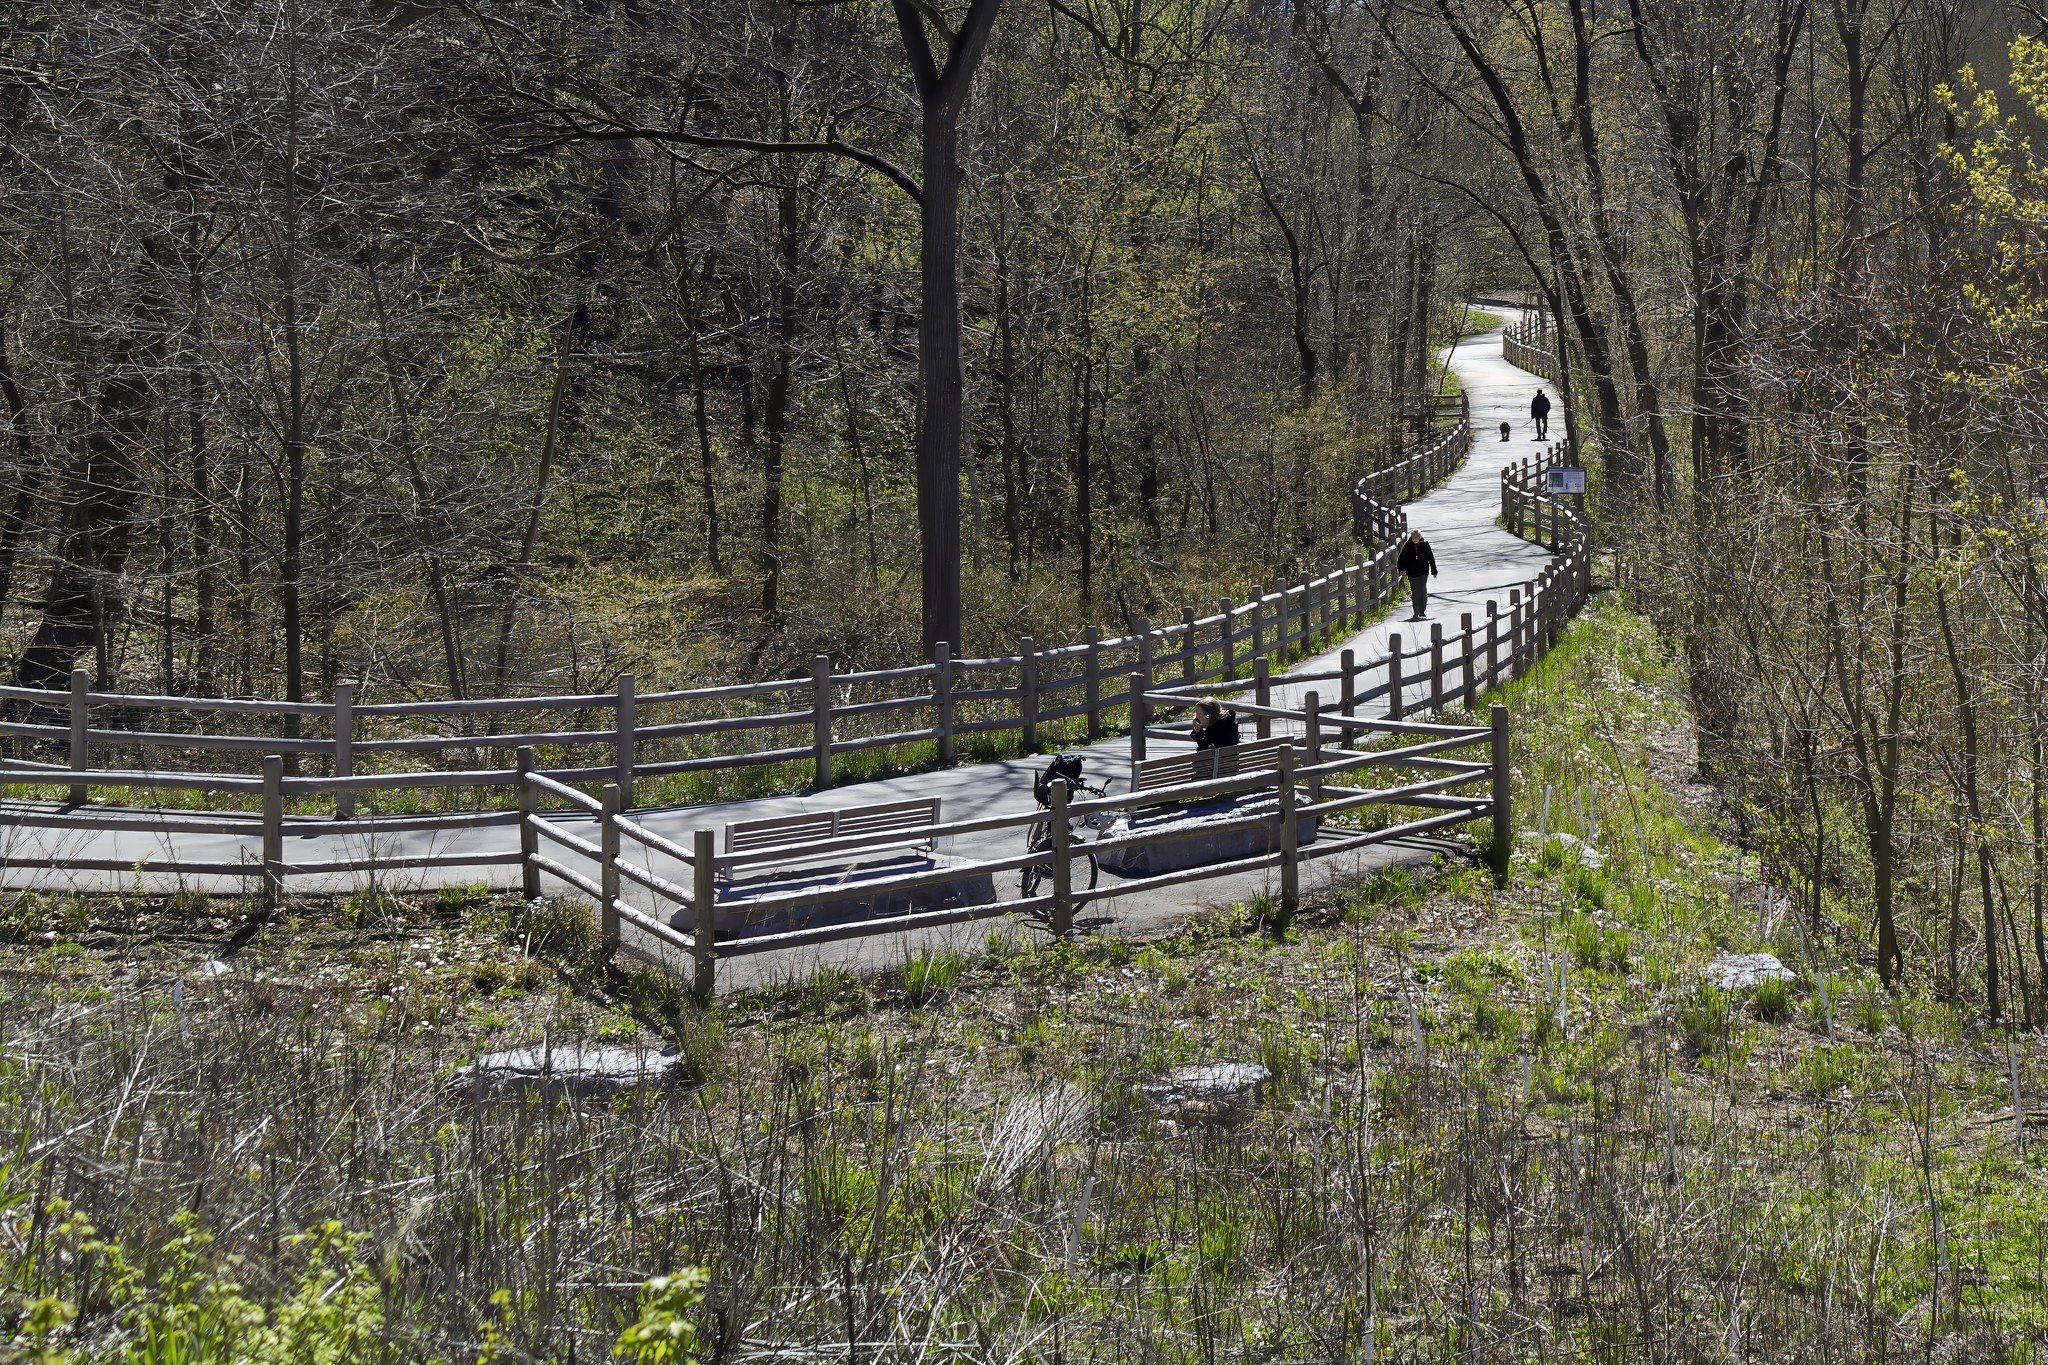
x=1476 y=559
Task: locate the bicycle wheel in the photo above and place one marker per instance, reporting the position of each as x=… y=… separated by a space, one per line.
x=1094 y=870
x=1030 y=877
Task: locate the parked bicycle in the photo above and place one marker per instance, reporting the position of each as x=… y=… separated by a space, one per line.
x=1064 y=770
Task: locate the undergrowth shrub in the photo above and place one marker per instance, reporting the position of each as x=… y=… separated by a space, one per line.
x=557 y=927
x=1773 y=999
x=1704 y=1017
x=666 y=1331
x=927 y=975
x=1594 y=946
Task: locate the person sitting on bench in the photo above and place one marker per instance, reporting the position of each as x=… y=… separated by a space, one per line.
x=1214 y=727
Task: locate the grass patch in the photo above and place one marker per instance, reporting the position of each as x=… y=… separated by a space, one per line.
x=1521 y=1116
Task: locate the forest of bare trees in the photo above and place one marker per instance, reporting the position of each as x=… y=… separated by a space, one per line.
x=459 y=349
x=1794 y=248
x=456 y=348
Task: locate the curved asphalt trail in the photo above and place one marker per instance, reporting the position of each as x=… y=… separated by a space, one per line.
x=1475 y=558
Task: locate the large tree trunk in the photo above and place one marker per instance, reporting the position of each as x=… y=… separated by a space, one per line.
x=28 y=473
x=776 y=402
x=941 y=401
x=96 y=545
x=941 y=416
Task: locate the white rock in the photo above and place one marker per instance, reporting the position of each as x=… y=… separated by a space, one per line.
x=1743 y=971
x=579 y=1068
x=1209 y=1083
x=213 y=967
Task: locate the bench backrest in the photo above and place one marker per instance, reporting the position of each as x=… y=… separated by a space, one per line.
x=888 y=824
x=1204 y=765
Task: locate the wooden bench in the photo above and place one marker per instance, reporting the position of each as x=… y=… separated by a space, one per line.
x=843 y=850
x=1184 y=824
x=785 y=838
x=1205 y=765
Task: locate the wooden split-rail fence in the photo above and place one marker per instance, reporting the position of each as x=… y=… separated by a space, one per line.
x=1324 y=779
x=212 y=747
x=1141 y=673
x=1527 y=342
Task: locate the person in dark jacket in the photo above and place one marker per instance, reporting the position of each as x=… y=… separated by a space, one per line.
x=1418 y=561
x=1214 y=727
x=1539 y=408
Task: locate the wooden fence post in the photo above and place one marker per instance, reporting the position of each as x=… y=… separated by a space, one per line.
x=703 y=911
x=1027 y=682
x=1258 y=609
x=1492 y=641
x=1347 y=686
x=529 y=838
x=608 y=869
x=1312 y=741
x=1514 y=632
x=1290 y=836
x=81 y=683
x=1187 y=644
x=821 y=722
x=1467 y=638
x=1062 y=866
x=628 y=720
x=1393 y=677
x=1146 y=648
x=344 y=748
x=1503 y=850
x=1141 y=716
x=1262 y=693
x=1229 y=640
x=273 y=831
x=1305 y=617
x=942 y=698
x=1091 y=673
x=1436 y=668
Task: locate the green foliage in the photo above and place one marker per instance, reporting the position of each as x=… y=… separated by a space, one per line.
x=183 y=1304
x=1772 y=1000
x=666 y=1331
x=928 y=974
x=558 y=927
x=1705 y=1018
x=1594 y=946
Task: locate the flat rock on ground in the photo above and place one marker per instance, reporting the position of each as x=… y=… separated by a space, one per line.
x=1743 y=971
x=580 y=1069
x=1204 y=1086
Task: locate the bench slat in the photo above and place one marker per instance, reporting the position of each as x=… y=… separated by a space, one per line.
x=890 y=817
x=745 y=836
x=890 y=823
x=1204 y=765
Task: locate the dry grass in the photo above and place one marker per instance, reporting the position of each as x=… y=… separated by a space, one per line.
x=1455 y=1160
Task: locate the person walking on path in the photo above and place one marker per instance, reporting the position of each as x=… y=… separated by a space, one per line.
x=1418 y=561
x=1539 y=408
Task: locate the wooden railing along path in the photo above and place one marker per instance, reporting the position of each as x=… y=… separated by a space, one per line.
x=138 y=742
x=830 y=714
x=1527 y=343
x=1324 y=781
